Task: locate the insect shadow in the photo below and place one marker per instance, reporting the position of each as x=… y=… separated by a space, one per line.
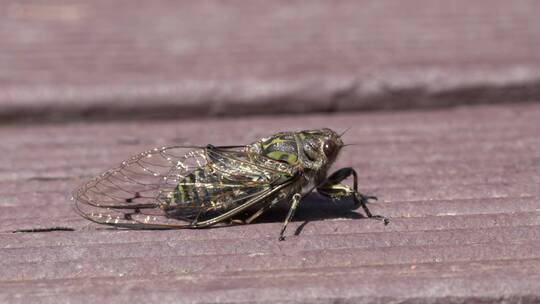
x=314 y=207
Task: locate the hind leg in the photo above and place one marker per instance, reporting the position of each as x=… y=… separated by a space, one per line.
x=252 y=217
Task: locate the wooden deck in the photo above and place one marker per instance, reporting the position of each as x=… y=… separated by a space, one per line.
x=85 y=85
x=460 y=186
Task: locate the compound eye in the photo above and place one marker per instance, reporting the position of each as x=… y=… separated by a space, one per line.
x=330 y=148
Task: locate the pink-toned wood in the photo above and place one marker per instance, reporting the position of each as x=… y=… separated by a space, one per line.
x=67 y=59
x=460 y=186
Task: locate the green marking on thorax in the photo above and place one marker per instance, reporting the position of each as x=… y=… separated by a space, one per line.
x=290 y=158
x=272 y=141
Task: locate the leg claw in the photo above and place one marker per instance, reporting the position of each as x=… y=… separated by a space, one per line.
x=385 y=220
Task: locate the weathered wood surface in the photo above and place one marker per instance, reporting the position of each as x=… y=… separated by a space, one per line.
x=67 y=59
x=461 y=187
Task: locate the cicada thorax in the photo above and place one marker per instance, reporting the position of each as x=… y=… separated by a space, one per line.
x=281 y=147
x=303 y=150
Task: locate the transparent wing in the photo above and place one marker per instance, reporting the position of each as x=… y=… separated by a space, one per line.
x=173 y=187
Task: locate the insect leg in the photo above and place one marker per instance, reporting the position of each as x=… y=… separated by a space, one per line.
x=257 y=214
x=266 y=207
x=296 y=200
x=252 y=217
x=196 y=220
x=333 y=188
x=278 y=198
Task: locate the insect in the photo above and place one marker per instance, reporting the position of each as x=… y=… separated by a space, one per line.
x=194 y=187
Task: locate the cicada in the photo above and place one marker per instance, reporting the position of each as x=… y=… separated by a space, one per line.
x=195 y=187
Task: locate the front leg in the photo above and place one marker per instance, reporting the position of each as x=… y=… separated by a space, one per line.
x=331 y=187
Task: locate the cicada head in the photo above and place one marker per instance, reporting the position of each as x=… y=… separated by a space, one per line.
x=320 y=147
